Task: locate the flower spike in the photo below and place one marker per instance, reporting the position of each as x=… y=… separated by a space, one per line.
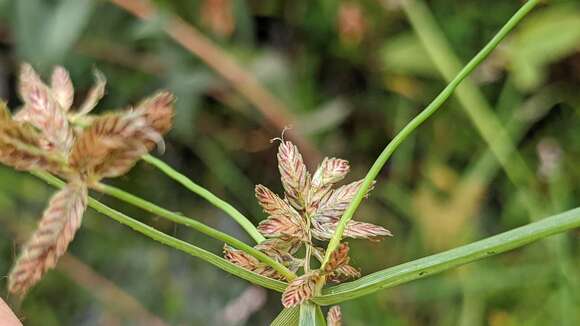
x=56 y=230
x=310 y=209
x=40 y=137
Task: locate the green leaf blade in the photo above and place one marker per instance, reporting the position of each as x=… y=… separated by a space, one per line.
x=288 y=317
x=173 y=242
x=427 y=266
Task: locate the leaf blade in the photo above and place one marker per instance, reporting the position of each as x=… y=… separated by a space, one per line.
x=171 y=241
x=423 y=267
x=288 y=317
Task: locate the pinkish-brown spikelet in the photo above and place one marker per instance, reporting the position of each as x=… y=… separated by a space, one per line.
x=62 y=87
x=280 y=227
x=158 y=111
x=250 y=263
x=294 y=175
x=334 y=316
x=338 y=269
x=44 y=112
x=343 y=273
x=111 y=146
x=56 y=230
x=330 y=171
x=337 y=201
x=290 y=246
x=279 y=252
x=284 y=220
x=362 y=230
x=95 y=94
x=354 y=229
x=301 y=289
x=20 y=146
x=338 y=258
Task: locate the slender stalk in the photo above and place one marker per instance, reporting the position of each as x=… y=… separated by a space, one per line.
x=243 y=221
x=187 y=221
x=171 y=241
x=430 y=265
x=419 y=119
x=494 y=133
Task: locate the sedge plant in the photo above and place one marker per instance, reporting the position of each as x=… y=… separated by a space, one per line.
x=300 y=247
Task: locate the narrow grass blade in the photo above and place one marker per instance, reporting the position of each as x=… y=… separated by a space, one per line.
x=474 y=103
x=174 y=242
x=243 y=221
x=419 y=119
x=427 y=266
x=192 y=223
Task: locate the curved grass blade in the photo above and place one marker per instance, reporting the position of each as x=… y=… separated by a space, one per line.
x=243 y=221
x=419 y=119
x=187 y=221
x=173 y=242
x=427 y=266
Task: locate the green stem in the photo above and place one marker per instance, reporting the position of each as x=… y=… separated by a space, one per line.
x=243 y=221
x=419 y=119
x=171 y=241
x=494 y=133
x=187 y=221
x=430 y=265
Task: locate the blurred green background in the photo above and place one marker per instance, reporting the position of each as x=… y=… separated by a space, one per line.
x=352 y=73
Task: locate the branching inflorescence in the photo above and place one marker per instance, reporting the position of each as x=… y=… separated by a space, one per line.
x=310 y=210
x=42 y=136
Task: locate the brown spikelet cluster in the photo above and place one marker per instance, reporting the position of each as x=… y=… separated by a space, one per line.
x=310 y=210
x=42 y=136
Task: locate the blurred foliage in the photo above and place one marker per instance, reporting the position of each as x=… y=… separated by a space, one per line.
x=354 y=72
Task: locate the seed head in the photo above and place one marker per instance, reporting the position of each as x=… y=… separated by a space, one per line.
x=40 y=136
x=56 y=230
x=310 y=208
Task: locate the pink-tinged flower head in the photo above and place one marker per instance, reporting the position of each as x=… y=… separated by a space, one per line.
x=41 y=137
